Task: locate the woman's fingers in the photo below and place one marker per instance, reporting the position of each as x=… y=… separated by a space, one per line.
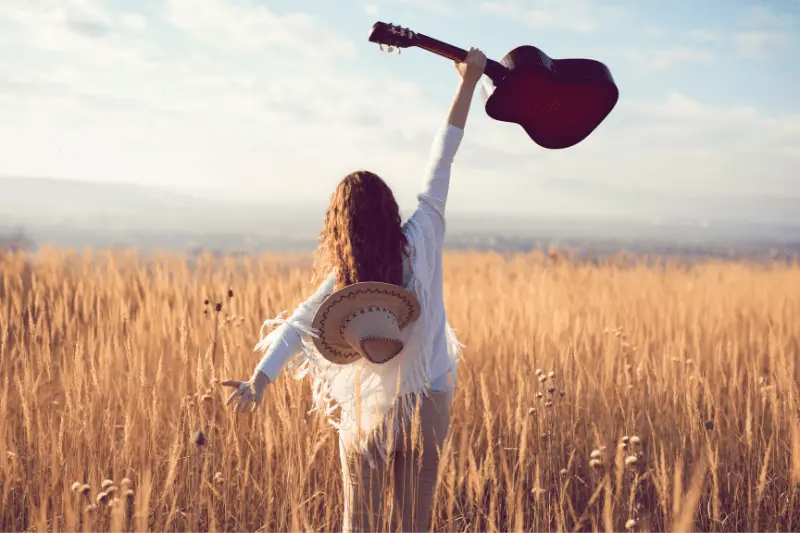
x=232 y=383
x=245 y=398
x=233 y=395
x=243 y=395
x=238 y=392
x=248 y=403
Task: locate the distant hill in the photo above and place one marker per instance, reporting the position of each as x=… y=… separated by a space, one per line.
x=78 y=214
x=43 y=202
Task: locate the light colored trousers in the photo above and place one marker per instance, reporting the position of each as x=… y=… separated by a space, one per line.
x=411 y=473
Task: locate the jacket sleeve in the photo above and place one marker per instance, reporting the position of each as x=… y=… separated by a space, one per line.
x=436 y=184
x=286 y=341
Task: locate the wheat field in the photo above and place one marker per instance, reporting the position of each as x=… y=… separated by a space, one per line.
x=590 y=397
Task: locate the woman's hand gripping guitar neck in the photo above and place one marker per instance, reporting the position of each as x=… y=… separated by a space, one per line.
x=470 y=70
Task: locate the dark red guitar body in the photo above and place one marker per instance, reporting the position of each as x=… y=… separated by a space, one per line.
x=558 y=102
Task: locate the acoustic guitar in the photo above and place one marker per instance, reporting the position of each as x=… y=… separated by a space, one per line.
x=558 y=102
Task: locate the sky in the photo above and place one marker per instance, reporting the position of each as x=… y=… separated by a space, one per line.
x=275 y=102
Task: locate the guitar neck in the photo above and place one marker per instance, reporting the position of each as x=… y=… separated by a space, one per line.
x=494 y=70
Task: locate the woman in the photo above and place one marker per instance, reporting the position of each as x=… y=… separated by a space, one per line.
x=363 y=240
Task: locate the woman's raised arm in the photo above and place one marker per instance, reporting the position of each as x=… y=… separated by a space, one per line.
x=433 y=196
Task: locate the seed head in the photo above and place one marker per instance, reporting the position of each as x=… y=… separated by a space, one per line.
x=90 y=508
x=562 y=393
x=76 y=487
x=542 y=378
x=595 y=463
x=548 y=403
x=102 y=498
x=85 y=490
x=539 y=394
x=709 y=424
x=551 y=375
x=532 y=411
x=230 y=293
x=106 y=483
x=207 y=398
x=623 y=446
x=625 y=439
x=218 y=308
x=538 y=371
x=218 y=479
x=129 y=495
x=126 y=483
x=563 y=472
x=551 y=390
x=631 y=460
x=596 y=454
x=630 y=524
x=636 y=440
x=205 y=302
x=199 y=439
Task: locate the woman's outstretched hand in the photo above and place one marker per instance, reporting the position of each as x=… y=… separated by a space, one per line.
x=249 y=393
x=471 y=69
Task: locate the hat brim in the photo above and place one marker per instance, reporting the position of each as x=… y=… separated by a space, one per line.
x=338 y=306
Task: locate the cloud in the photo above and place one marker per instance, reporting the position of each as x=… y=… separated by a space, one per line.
x=88 y=28
x=703 y=36
x=762 y=16
x=204 y=114
x=237 y=93
x=248 y=27
x=572 y=15
x=443 y=7
x=674 y=145
x=134 y=21
x=83 y=30
x=761 y=45
x=654 y=60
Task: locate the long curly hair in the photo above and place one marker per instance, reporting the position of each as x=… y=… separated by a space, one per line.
x=362 y=236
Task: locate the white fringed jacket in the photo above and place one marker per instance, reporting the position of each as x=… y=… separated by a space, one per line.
x=366 y=391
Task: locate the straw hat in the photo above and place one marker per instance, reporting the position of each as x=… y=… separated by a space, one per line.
x=364 y=320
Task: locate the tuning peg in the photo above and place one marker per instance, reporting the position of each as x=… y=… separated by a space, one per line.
x=381 y=47
x=391 y=49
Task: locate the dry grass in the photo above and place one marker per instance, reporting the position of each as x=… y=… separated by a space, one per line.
x=106 y=373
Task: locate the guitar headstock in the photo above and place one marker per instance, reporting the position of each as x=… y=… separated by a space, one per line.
x=392 y=36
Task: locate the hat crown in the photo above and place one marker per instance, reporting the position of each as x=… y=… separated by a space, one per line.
x=372 y=314
x=374 y=332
